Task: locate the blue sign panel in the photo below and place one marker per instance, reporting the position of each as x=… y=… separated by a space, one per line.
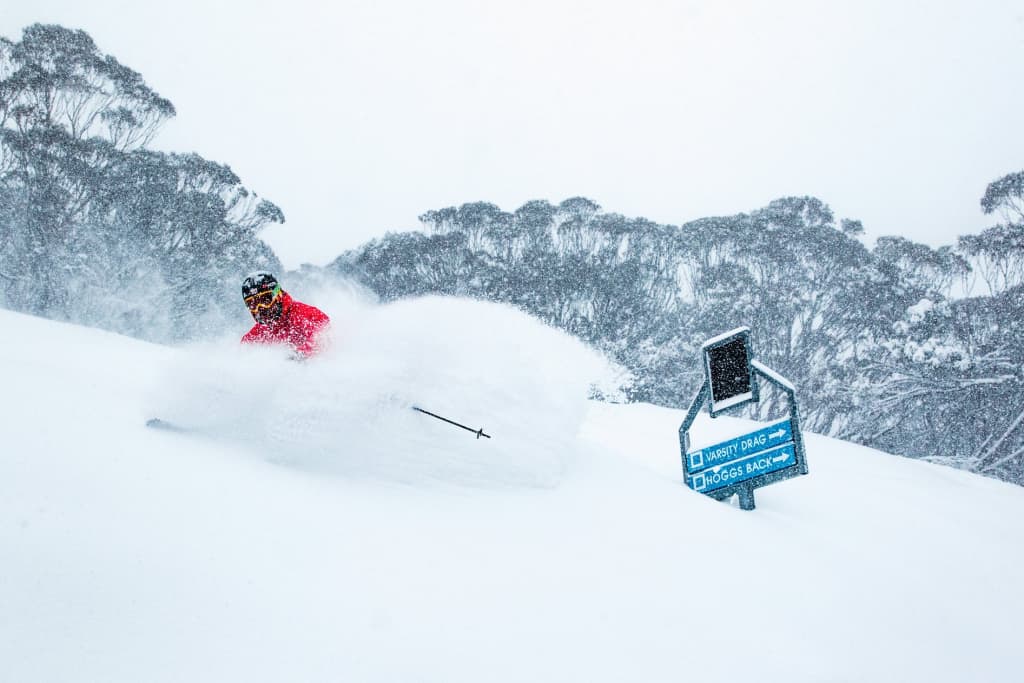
x=749 y=467
x=772 y=436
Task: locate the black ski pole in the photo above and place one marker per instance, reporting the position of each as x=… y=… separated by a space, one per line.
x=478 y=432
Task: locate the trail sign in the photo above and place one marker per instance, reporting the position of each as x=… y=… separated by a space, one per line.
x=772 y=436
x=746 y=457
x=741 y=464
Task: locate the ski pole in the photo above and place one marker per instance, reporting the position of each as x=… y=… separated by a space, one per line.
x=478 y=432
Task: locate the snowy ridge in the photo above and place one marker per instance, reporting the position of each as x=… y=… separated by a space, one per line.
x=316 y=529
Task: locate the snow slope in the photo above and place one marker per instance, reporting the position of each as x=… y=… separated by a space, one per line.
x=314 y=528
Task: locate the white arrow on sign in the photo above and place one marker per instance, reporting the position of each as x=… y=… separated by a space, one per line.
x=780 y=458
x=777 y=435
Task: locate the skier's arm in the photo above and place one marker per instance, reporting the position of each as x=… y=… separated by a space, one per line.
x=314 y=328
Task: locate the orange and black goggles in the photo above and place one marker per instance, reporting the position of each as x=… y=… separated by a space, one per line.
x=263 y=300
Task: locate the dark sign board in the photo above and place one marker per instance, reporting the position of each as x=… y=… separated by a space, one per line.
x=728 y=370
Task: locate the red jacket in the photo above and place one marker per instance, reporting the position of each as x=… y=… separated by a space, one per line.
x=300 y=325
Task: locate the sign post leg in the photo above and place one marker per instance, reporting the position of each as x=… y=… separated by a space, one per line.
x=746 y=495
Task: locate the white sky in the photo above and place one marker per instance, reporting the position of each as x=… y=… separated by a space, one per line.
x=357 y=116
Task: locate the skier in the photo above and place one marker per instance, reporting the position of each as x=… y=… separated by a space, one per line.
x=280 y=319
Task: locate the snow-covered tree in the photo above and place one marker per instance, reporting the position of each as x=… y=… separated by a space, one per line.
x=95 y=227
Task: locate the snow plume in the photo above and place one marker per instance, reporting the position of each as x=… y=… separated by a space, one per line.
x=350 y=412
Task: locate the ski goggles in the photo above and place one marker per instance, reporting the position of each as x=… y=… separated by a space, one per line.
x=262 y=300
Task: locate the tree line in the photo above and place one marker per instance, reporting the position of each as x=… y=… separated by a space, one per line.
x=887 y=346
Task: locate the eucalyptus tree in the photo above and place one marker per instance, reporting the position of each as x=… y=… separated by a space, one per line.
x=87 y=208
x=67 y=113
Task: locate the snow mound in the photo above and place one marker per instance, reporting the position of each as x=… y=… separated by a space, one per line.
x=350 y=411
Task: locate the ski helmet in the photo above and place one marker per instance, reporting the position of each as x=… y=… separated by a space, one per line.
x=258 y=283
